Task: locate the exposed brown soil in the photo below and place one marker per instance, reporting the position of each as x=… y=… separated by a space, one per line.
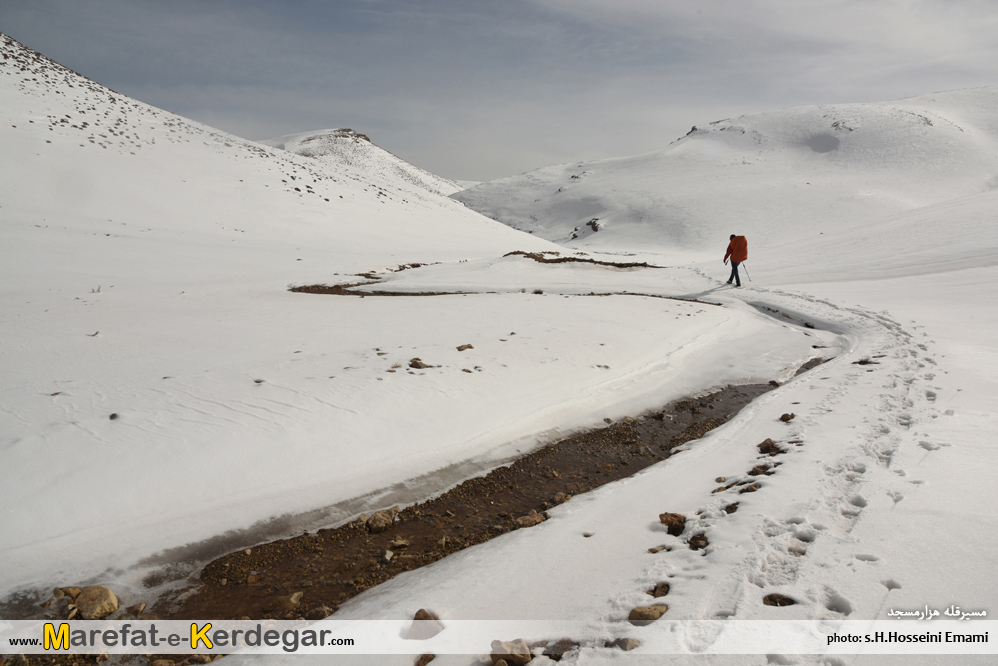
x=333 y=565
x=540 y=258
x=347 y=290
x=777 y=599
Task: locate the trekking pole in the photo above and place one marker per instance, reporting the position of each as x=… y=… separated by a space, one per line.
x=746 y=272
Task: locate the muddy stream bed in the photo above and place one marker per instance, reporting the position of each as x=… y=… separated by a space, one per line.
x=330 y=566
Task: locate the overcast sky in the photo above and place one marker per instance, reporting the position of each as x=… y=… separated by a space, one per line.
x=480 y=89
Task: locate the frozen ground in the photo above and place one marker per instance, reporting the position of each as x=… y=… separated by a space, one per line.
x=146 y=261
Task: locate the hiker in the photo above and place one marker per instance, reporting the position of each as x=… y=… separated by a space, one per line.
x=738 y=251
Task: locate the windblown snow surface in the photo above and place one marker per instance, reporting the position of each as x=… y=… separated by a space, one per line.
x=146 y=262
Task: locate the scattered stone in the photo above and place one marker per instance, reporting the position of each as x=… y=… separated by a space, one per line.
x=751 y=488
x=660 y=590
x=625 y=644
x=699 y=541
x=774 y=383
x=248 y=551
x=675 y=522
x=398 y=544
x=71 y=592
x=720 y=479
x=319 y=613
x=291 y=601
x=252 y=579
x=770 y=448
x=560 y=497
x=759 y=470
x=659 y=549
x=388 y=555
x=731 y=508
x=96 y=602
x=531 y=520
x=223 y=581
x=424 y=659
x=425 y=624
x=466 y=370
x=382 y=520
x=418 y=364
x=558 y=649
x=643 y=615
x=113 y=417
x=162 y=662
x=515 y=652
x=200 y=659
x=587 y=534
x=786 y=418
x=463 y=347
x=777 y=599
x=137 y=609
x=73 y=610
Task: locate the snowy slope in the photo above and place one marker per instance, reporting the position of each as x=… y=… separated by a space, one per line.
x=146 y=261
x=344 y=147
x=883 y=498
x=775 y=177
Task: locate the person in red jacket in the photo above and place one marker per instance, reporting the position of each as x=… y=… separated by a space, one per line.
x=738 y=251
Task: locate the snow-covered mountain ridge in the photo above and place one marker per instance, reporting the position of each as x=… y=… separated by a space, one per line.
x=347 y=147
x=839 y=167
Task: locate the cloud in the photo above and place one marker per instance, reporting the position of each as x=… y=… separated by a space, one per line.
x=478 y=90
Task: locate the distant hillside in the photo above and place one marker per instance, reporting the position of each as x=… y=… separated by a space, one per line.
x=776 y=177
x=353 y=149
x=146 y=261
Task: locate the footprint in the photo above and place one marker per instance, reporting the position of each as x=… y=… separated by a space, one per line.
x=930 y=396
x=929 y=446
x=836 y=603
x=891 y=584
x=863 y=557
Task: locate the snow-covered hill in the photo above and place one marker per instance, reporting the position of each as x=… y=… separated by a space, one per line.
x=778 y=178
x=164 y=397
x=350 y=148
x=155 y=363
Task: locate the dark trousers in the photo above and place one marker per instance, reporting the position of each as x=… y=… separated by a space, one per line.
x=734 y=273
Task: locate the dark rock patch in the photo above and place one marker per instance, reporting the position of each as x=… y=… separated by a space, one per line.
x=675 y=522
x=777 y=599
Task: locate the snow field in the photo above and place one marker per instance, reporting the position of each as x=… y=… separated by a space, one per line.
x=146 y=261
x=153 y=286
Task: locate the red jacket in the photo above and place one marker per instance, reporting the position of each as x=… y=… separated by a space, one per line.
x=737 y=250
